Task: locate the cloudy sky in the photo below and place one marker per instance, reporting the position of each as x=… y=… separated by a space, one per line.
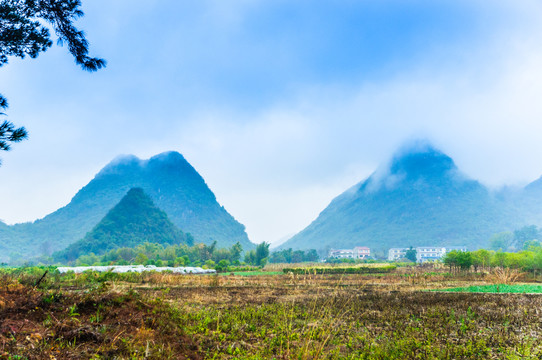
x=280 y=105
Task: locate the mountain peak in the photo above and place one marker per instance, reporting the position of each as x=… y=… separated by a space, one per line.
x=420 y=198
x=169 y=156
x=133 y=221
x=168 y=159
x=421 y=158
x=413 y=162
x=120 y=163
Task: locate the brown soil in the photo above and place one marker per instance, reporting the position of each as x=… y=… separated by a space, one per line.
x=53 y=325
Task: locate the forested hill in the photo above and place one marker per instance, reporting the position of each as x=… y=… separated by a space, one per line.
x=421 y=199
x=135 y=220
x=170 y=181
x=531 y=201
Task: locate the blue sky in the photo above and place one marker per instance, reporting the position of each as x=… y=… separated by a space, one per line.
x=280 y=105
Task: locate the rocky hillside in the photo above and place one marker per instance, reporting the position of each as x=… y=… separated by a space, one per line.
x=170 y=181
x=419 y=198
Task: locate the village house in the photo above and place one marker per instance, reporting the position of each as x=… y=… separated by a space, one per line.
x=429 y=253
x=424 y=253
x=359 y=252
x=395 y=254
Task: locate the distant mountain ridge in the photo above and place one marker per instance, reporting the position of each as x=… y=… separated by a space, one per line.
x=170 y=181
x=420 y=198
x=135 y=220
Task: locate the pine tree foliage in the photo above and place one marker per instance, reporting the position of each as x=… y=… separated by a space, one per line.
x=9 y=133
x=24 y=31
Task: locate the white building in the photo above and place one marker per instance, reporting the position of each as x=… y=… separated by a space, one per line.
x=341 y=253
x=362 y=252
x=429 y=253
x=359 y=252
x=395 y=254
x=424 y=253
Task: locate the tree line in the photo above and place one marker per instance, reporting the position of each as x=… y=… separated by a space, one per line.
x=209 y=256
x=517 y=240
x=529 y=260
x=290 y=256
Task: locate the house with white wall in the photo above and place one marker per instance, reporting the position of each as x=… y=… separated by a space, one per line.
x=359 y=252
x=424 y=253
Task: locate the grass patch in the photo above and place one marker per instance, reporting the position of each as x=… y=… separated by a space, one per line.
x=264 y=315
x=499 y=288
x=341 y=270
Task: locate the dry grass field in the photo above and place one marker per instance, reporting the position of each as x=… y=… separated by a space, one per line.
x=275 y=316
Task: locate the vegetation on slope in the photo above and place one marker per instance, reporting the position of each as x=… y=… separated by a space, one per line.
x=207 y=256
x=171 y=255
x=420 y=199
x=171 y=182
x=290 y=256
x=133 y=221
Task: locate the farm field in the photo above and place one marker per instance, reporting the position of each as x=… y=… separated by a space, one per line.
x=265 y=316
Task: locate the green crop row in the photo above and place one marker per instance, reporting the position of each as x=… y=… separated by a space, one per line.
x=499 y=288
x=341 y=270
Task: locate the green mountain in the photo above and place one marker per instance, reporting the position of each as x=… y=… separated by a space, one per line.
x=530 y=201
x=170 y=181
x=133 y=221
x=420 y=198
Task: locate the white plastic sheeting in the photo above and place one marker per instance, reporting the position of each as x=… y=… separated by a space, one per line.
x=135 y=268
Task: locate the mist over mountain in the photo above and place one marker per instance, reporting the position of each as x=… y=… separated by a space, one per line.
x=170 y=181
x=420 y=198
x=133 y=221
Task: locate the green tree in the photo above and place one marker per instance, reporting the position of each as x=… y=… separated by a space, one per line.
x=525 y=235
x=236 y=251
x=311 y=255
x=464 y=260
x=258 y=256
x=179 y=261
x=526 y=261
x=501 y=241
x=290 y=256
x=537 y=261
x=298 y=256
x=141 y=259
x=250 y=257
x=24 y=31
x=278 y=257
x=207 y=252
x=209 y=264
x=532 y=245
x=500 y=259
x=262 y=253
x=451 y=260
x=481 y=258
x=411 y=254
x=222 y=265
